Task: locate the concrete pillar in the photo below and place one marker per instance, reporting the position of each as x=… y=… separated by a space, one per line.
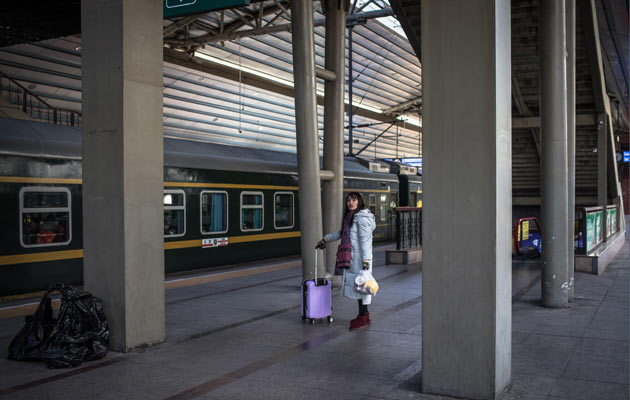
x=123 y=166
x=553 y=163
x=570 y=4
x=602 y=166
x=306 y=132
x=467 y=266
x=335 y=11
x=350 y=86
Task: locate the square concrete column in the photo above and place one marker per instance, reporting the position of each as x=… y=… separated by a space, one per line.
x=123 y=166
x=467 y=268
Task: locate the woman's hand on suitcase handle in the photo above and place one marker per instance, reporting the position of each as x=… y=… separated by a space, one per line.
x=321 y=244
x=366 y=264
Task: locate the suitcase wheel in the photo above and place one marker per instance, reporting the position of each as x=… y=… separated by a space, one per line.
x=312 y=321
x=330 y=319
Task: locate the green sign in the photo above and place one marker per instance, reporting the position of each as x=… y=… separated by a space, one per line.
x=178 y=8
x=593 y=230
x=611 y=221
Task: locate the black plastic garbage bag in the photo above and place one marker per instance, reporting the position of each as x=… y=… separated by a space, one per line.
x=78 y=334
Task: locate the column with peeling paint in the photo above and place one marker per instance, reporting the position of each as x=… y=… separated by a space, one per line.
x=553 y=163
x=571 y=141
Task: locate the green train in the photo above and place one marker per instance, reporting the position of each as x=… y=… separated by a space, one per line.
x=222 y=204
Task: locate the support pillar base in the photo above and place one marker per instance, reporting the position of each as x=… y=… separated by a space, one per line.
x=403 y=256
x=596 y=262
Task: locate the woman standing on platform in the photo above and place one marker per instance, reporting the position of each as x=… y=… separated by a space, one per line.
x=354 y=253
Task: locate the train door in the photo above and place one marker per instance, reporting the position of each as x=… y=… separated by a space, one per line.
x=412 y=199
x=383 y=205
x=391 y=215
x=372 y=203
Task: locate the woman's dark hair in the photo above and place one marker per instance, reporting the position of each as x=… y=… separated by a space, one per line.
x=360 y=206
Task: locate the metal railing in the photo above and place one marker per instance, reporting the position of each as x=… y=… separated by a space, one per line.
x=408 y=228
x=34 y=106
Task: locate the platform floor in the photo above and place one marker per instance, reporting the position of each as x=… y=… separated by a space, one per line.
x=242 y=338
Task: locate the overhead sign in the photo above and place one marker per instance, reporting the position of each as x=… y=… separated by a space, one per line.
x=178 y=8
x=415 y=161
x=626 y=156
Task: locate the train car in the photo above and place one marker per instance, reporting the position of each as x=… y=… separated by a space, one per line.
x=411 y=186
x=410 y=183
x=222 y=205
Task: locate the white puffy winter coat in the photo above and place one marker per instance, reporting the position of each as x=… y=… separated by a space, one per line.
x=361 y=242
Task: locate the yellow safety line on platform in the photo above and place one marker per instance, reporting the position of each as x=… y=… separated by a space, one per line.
x=21 y=179
x=228 y=185
x=199 y=280
x=39 y=257
x=24 y=309
x=27 y=309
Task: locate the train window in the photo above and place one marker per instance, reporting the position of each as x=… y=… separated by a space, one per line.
x=383 y=207
x=174 y=213
x=372 y=203
x=214 y=212
x=283 y=210
x=393 y=203
x=252 y=211
x=45 y=215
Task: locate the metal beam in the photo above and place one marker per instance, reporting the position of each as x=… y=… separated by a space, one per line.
x=325 y=74
x=522 y=108
x=232 y=34
x=391 y=110
x=534 y=122
x=374 y=140
x=180 y=23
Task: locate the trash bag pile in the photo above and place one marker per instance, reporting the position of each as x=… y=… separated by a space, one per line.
x=78 y=334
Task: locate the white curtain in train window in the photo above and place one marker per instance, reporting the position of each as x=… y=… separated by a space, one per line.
x=213 y=212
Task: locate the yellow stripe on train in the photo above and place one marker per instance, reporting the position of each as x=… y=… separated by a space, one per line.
x=182 y=244
x=39 y=257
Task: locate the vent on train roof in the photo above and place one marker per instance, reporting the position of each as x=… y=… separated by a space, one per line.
x=407 y=170
x=378 y=167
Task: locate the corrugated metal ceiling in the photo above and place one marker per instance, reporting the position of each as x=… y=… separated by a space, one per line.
x=204 y=107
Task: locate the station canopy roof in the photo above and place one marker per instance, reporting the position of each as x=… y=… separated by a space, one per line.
x=223 y=86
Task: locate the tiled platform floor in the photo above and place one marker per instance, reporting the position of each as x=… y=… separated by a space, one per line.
x=242 y=339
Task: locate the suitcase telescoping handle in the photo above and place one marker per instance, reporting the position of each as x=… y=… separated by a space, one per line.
x=316 y=250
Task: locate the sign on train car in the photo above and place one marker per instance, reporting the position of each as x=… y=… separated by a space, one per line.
x=178 y=8
x=215 y=242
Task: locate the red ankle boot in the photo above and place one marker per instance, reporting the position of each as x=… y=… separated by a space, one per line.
x=359 y=322
x=367 y=318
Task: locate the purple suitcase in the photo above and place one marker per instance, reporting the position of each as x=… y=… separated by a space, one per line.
x=317 y=298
